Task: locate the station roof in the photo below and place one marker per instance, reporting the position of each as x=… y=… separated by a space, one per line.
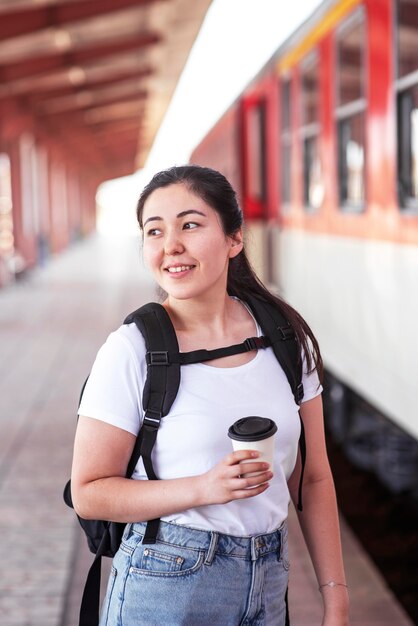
x=98 y=74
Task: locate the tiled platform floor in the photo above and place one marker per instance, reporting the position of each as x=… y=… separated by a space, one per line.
x=51 y=326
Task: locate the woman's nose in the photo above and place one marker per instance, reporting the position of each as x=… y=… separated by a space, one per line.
x=173 y=244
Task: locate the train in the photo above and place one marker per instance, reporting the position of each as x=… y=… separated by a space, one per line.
x=322 y=148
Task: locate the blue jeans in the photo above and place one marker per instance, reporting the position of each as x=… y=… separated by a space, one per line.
x=197 y=578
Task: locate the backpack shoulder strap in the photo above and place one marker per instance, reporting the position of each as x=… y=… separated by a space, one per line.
x=160 y=389
x=284 y=342
x=163 y=377
x=287 y=351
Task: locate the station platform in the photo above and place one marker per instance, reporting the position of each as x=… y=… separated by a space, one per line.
x=51 y=325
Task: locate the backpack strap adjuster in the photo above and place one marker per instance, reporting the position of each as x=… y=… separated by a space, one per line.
x=254 y=343
x=153 y=420
x=299 y=393
x=157 y=357
x=285 y=332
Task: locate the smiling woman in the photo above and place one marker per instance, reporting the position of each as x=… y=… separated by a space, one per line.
x=221 y=530
x=193 y=254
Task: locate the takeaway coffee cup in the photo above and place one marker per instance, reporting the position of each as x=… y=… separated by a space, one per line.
x=254 y=433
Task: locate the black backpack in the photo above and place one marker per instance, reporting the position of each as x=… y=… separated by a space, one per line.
x=160 y=390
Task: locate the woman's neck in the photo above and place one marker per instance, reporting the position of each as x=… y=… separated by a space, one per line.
x=203 y=316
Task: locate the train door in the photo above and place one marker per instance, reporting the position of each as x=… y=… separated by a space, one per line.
x=255 y=180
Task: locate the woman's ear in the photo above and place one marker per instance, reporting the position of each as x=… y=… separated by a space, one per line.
x=237 y=244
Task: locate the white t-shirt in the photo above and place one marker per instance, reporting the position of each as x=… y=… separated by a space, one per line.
x=192 y=438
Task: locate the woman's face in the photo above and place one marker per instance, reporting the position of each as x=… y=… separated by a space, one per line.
x=184 y=244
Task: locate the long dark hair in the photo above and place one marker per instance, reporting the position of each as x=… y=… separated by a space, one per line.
x=214 y=189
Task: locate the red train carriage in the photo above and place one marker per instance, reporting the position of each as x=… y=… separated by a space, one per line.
x=325 y=142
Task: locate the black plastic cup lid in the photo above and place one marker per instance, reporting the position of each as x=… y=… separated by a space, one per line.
x=252 y=428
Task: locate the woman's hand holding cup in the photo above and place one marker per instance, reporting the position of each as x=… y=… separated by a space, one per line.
x=226 y=482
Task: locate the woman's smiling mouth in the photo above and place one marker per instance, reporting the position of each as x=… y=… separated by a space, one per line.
x=179 y=269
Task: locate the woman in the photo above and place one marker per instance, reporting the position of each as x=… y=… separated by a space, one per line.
x=221 y=553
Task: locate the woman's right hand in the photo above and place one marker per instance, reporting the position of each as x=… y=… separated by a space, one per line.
x=229 y=480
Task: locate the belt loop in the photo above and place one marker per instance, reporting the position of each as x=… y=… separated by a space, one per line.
x=212 y=548
x=254 y=554
x=281 y=536
x=127 y=531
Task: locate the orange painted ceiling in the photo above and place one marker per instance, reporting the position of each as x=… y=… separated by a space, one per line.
x=98 y=74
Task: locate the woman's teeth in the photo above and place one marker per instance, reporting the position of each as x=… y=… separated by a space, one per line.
x=181 y=268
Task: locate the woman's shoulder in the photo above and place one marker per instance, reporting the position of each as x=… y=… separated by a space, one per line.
x=126 y=339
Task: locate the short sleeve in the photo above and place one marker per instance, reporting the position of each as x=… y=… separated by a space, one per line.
x=311 y=385
x=113 y=393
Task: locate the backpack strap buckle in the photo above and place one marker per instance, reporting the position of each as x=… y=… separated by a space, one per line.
x=157 y=357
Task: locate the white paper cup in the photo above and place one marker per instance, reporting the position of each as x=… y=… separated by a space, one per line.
x=254 y=433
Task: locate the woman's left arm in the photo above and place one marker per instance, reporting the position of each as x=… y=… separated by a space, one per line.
x=319 y=518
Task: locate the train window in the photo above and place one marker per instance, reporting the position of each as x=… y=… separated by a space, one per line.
x=310 y=92
x=407 y=100
x=313 y=189
x=286 y=105
x=407 y=37
x=350 y=113
x=257 y=165
x=351 y=161
x=286 y=141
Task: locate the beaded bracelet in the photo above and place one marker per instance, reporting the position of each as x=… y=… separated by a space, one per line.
x=332 y=583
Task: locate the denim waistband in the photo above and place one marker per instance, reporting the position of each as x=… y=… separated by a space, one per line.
x=246 y=547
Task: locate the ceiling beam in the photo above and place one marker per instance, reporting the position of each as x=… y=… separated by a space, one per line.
x=81 y=139
x=88 y=85
x=89 y=154
x=110 y=113
x=77 y=76
x=108 y=138
x=141 y=94
x=36 y=66
x=14 y=23
x=127 y=118
x=131 y=125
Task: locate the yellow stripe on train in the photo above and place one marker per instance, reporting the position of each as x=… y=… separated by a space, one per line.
x=328 y=22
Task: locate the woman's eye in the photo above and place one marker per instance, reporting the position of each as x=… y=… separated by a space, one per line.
x=189 y=225
x=152 y=232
